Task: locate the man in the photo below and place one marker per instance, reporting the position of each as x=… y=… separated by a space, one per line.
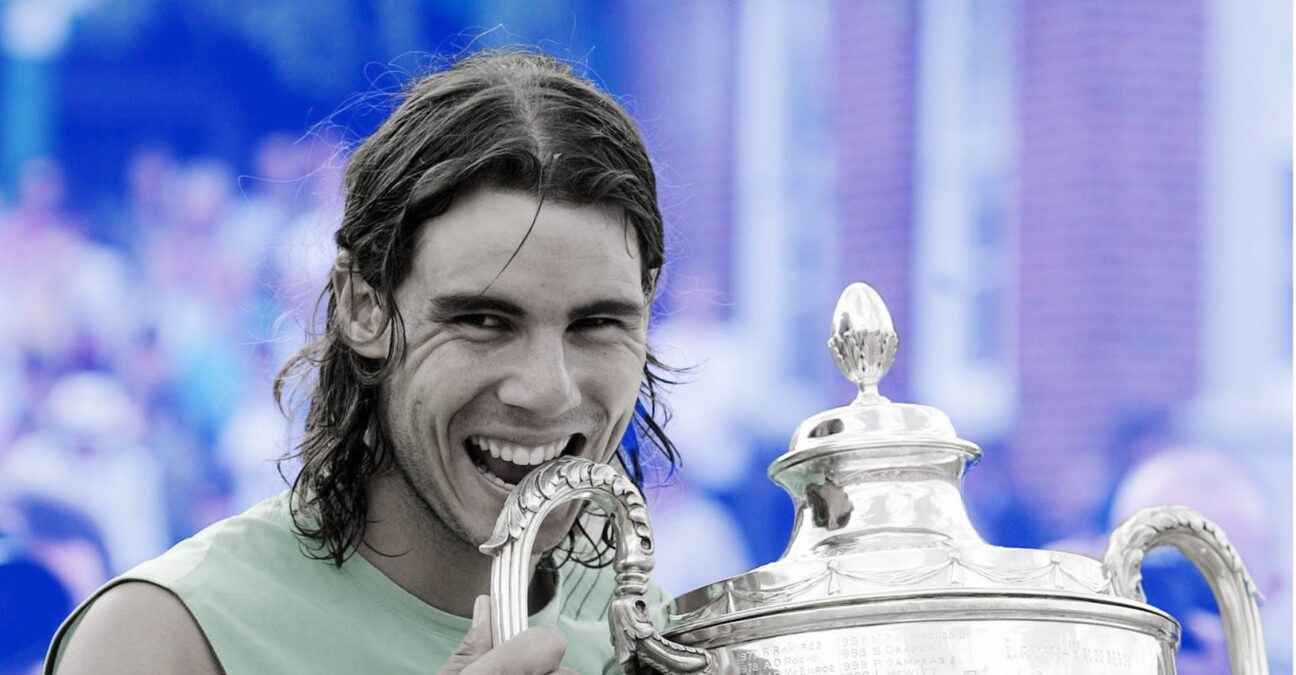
x=487 y=312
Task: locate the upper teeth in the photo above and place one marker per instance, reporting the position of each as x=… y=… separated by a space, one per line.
x=519 y=454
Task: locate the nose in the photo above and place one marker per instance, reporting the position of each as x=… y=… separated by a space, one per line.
x=541 y=379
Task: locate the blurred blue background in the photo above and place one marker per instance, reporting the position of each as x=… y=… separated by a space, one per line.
x=1080 y=215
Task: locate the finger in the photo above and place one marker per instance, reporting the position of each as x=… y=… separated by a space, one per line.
x=476 y=643
x=481 y=612
x=534 y=651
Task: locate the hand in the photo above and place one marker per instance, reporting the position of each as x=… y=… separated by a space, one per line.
x=534 y=651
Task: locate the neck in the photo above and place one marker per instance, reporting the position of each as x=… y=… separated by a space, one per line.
x=412 y=546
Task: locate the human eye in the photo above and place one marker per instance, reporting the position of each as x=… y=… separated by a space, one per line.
x=597 y=323
x=484 y=322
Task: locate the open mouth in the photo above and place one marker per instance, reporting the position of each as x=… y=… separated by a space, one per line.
x=506 y=463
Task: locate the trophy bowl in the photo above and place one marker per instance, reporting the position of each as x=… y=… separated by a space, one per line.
x=884 y=573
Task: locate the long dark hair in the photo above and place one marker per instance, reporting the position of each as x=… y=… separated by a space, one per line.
x=510 y=120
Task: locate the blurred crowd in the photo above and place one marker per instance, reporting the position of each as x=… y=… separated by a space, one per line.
x=138 y=347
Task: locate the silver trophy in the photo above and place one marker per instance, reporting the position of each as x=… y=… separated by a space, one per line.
x=885 y=574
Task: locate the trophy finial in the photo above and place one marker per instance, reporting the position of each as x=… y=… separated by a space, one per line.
x=863 y=340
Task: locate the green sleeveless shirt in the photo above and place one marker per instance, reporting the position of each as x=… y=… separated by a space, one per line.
x=267 y=608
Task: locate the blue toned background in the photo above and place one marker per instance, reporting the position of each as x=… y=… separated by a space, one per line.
x=1080 y=215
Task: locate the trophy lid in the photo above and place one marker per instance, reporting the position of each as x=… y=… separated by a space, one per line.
x=864 y=342
x=877 y=488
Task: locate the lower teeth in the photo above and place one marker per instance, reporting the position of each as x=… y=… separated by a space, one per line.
x=493 y=478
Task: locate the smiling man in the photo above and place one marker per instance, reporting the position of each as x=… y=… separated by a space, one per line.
x=488 y=312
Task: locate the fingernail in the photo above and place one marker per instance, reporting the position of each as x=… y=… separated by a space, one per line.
x=481 y=610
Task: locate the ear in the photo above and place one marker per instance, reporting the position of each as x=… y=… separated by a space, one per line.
x=360 y=316
x=652 y=284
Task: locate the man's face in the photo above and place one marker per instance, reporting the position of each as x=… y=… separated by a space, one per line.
x=507 y=369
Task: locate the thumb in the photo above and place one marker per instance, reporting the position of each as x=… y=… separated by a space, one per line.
x=475 y=643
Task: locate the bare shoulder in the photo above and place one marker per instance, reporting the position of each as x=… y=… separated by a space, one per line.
x=137 y=627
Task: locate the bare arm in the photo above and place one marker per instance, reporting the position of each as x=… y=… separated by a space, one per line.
x=137 y=627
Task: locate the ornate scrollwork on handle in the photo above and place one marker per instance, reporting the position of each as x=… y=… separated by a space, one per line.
x=1204 y=543
x=638 y=646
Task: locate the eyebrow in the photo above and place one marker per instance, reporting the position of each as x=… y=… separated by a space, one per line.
x=621 y=309
x=445 y=306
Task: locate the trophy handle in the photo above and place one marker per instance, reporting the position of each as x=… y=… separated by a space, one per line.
x=1204 y=543
x=564 y=479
